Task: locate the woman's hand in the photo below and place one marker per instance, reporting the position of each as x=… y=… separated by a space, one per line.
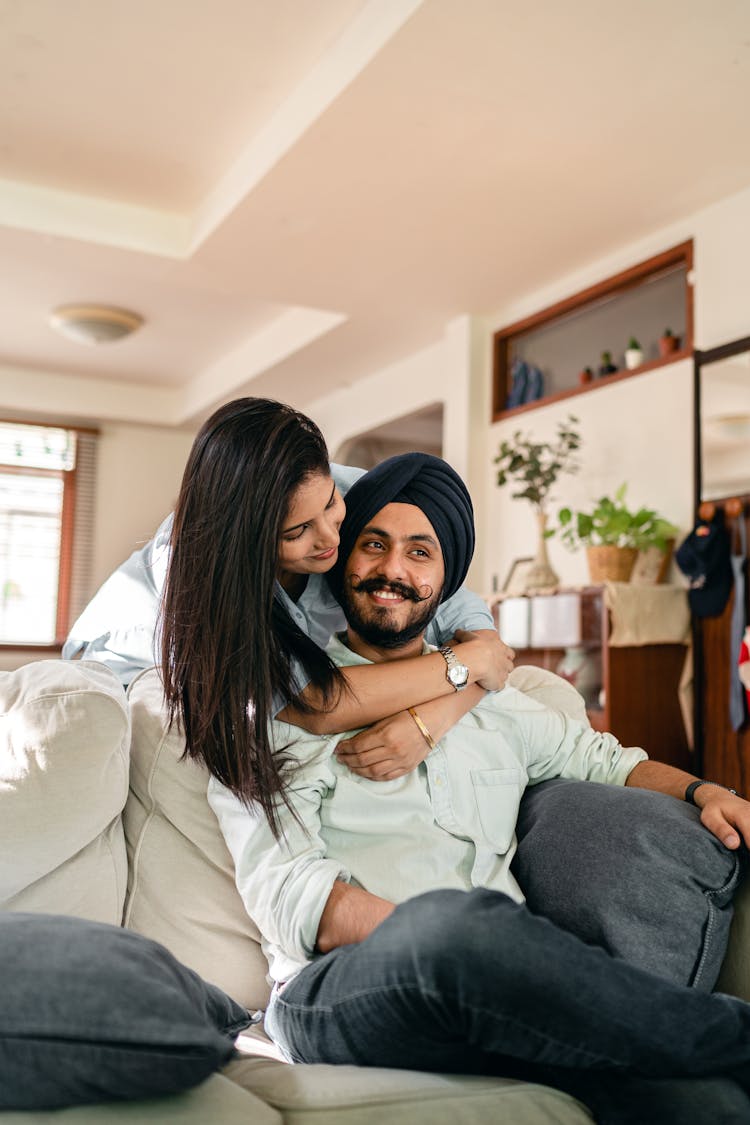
x=386 y=750
x=489 y=659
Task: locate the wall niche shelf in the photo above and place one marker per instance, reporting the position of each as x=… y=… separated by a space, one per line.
x=571 y=335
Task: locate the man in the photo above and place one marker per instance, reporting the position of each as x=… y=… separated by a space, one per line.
x=395 y=932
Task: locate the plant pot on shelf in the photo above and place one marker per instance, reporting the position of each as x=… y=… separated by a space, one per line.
x=610 y=564
x=633 y=355
x=668 y=343
x=652 y=565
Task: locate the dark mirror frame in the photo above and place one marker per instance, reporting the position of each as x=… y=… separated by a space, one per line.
x=702 y=359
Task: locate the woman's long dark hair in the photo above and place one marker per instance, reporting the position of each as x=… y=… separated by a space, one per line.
x=227 y=643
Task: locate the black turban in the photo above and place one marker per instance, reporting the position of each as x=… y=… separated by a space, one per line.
x=430 y=484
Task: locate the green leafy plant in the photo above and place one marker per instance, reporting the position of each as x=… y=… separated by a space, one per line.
x=633 y=343
x=534 y=466
x=612 y=523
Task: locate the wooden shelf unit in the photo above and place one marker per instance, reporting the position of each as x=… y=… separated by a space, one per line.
x=677 y=260
x=640 y=684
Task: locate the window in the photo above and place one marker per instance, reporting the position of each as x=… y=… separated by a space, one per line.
x=46 y=509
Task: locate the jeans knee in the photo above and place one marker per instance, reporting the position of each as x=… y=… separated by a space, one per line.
x=447 y=924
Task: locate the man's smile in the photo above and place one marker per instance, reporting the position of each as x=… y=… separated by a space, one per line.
x=383 y=593
x=387 y=595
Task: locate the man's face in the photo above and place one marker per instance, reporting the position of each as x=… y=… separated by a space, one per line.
x=394 y=577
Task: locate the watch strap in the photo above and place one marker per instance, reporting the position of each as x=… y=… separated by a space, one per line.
x=690 y=791
x=453 y=663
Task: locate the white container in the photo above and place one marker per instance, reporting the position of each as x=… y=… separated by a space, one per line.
x=555 y=621
x=633 y=358
x=514 y=621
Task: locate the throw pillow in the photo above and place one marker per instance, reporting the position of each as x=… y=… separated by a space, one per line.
x=90 y=1012
x=630 y=870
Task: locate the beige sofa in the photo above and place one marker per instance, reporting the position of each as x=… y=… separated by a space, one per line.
x=150 y=856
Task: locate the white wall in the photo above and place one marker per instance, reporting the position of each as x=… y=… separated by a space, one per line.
x=138 y=477
x=638 y=430
x=640 y=435
x=438 y=374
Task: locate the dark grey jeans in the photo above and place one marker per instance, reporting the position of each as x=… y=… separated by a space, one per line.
x=472 y=982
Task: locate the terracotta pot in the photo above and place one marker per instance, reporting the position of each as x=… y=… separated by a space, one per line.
x=611 y=564
x=668 y=344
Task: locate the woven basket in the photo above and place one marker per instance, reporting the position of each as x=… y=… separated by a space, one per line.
x=611 y=564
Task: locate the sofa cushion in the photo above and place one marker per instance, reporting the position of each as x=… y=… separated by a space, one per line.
x=64 y=740
x=735 y=969
x=630 y=870
x=181 y=889
x=358 y=1095
x=217 y=1101
x=550 y=689
x=91 y=1012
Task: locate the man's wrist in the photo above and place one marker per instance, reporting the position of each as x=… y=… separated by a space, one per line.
x=694 y=785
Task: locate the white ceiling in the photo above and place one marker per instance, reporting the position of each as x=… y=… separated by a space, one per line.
x=293 y=193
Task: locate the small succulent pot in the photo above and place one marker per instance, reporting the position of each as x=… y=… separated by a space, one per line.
x=668 y=343
x=633 y=354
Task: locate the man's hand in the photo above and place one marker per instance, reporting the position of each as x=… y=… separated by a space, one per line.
x=386 y=750
x=485 y=654
x=725 y=814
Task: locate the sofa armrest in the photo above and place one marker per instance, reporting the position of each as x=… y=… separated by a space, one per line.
x=735 y=971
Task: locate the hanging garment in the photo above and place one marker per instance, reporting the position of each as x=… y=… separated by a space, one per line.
x=737 y=693
x=744 y=664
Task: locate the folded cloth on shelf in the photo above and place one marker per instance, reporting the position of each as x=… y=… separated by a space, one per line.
x=647 y=615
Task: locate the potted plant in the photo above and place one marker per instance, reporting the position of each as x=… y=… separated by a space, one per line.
x=534 y=467
x=607 y=367
x=668 y=342
x=613 y=535
x=633 y=354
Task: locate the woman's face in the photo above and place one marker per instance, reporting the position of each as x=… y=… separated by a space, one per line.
x=309 y=538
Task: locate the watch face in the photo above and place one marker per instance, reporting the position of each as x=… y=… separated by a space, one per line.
x=458 y=675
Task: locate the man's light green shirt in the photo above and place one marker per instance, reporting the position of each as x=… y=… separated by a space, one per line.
x=448 y=824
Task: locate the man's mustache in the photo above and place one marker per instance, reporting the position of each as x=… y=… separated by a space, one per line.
x=371 y=585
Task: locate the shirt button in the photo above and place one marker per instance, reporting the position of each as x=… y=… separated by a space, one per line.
x=440 y=781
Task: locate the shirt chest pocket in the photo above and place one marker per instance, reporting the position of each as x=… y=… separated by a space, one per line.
x=497 y=795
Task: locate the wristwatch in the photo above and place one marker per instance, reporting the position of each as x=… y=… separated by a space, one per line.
x=690 y=791
x=456 y=673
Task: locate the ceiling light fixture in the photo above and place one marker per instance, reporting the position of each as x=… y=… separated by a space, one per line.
x=94 y=324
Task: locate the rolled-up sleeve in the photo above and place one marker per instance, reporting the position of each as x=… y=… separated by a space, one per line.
x=283 y=883
x=558 y=746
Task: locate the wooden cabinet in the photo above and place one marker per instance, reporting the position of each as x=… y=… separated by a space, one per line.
x=564 y=339
x=637 y=693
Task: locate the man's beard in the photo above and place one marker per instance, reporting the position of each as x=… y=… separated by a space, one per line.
x=377 y=629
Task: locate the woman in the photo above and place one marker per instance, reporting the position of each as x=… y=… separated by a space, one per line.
x=246 y=612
